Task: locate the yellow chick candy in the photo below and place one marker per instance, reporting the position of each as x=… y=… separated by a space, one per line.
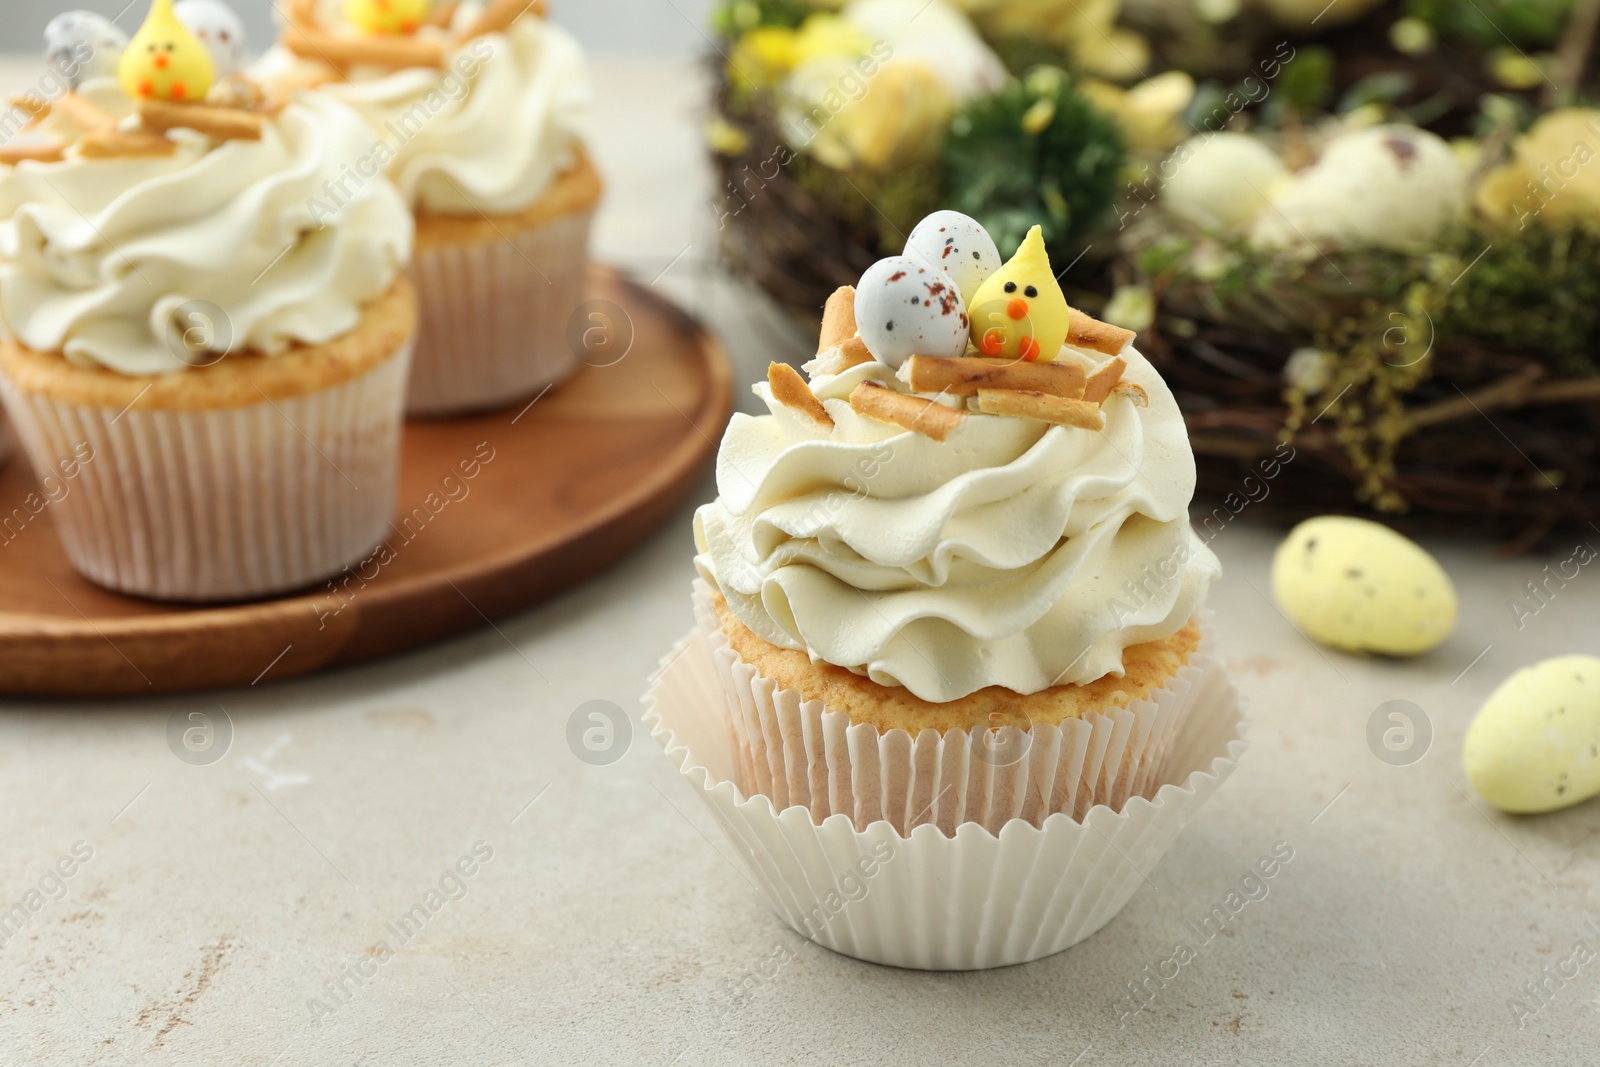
x=1019 y=311
x=164 y=61
x=391 y=17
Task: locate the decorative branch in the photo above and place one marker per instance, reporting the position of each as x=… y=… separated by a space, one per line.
x=1509 y=392
x=1572 y=54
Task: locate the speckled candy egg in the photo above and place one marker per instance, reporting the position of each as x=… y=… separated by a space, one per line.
x=905 y=309
x=80 y=45
x=1357 y=585
x=219 y=28
x=1395 y=187
x=956 y=244
x=1535 y=745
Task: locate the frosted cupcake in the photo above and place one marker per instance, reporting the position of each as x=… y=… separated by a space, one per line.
x=478 y=113
x=174 y=306
x=951 y=578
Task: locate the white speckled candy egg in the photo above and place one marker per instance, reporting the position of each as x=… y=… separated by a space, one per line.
x=80 y=45
x=1535 y=745
x=904 y=309
x=1357 y=585
x=219 y=28
x=1393 y=187
x=956 y=244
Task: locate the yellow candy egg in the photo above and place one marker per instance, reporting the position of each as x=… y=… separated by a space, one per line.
x=1535 y=745
x=1357 y=585
x=1019 y=311
x=164 y=61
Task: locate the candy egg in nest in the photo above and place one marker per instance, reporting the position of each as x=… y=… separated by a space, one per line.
x=956 y=244
x=904 y=309
x=1395 y=187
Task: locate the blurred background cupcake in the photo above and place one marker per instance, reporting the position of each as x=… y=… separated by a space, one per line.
x=478 y=113
x=218 y=355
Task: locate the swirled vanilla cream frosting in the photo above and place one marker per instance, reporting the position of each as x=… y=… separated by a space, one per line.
x=1015 y=552
x=490 y=133
x=145 y=264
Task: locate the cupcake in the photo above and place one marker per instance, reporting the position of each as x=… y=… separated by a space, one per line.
x=951 y=687
x=951 y=577
x=478 y=113
x=220 y=353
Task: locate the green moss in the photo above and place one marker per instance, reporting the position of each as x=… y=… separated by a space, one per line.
x=1491 y=23
x=1062 y=177
x=1537 y=293
x=887 y=204
x=1306 y=84
x=1159 y=259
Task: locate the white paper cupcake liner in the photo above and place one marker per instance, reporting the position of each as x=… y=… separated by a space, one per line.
x=799 y=753
x=927 y=900
x=224 y=504
x=494 y=316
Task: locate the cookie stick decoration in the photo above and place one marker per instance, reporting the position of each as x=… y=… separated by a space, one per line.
x=840 y=346
x=1019 y=312
x=20 y=151
x=164 y=61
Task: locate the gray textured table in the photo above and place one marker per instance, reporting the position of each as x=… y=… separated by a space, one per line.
x=231 y=913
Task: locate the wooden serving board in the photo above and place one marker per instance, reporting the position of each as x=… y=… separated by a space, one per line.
x=561 y=490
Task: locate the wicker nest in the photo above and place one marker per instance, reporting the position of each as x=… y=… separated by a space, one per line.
x=775 y=229
x=800 y=228
x=1500 y=442
x=1429 y=410
x=1499 y=424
